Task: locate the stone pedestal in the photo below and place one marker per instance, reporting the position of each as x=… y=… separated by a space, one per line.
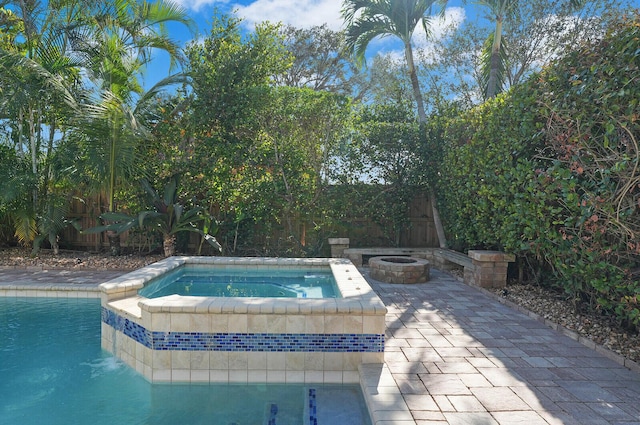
x=490 y=268
x=338 y=245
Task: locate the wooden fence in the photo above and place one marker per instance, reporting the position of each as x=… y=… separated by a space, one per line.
x=362 y=232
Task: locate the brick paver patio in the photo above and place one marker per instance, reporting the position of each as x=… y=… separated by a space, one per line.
x=459 y=357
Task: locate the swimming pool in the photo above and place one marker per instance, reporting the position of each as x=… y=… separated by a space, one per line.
x=54 y=372
x=206 y=281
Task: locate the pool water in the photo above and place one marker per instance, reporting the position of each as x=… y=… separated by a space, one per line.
x=211 y=281
x=54 y=372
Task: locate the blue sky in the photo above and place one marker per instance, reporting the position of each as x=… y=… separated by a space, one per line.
x=299 y=13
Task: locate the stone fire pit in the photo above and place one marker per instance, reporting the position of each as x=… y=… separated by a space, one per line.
x=391 y=269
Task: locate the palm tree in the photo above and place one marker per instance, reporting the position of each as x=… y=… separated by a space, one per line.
x=368 y=19
x=38 y=77
x=494 y=58
x=121 y=42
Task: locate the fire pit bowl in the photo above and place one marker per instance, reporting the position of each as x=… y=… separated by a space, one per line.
x=391 y=269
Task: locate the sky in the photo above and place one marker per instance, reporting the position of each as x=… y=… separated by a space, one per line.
x=304 y=14
x=298 y=13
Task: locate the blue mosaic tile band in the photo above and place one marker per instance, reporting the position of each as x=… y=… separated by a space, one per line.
x=127 y=327
x=269 y=342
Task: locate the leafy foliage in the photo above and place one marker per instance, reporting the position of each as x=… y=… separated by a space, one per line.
x=549 y=171
x=319 y=62
x=383 y=151
x=168 y=215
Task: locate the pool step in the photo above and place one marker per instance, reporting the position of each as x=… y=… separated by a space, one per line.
x=271 y=412
x=335 y=405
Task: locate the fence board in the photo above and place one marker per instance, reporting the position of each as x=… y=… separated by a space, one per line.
x=362 y=232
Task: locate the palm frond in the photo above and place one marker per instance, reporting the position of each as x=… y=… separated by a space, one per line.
x=159 y=87
x=368 y=19
x=21 y=68
x=25 y=226
x=361 y=33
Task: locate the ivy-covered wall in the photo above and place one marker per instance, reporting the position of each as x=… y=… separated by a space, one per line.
x=550 y=171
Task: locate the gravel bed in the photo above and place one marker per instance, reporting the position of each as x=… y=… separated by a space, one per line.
x=548 y=304
x=74 y=260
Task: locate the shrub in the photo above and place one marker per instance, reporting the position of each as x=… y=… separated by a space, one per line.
x=550 y=171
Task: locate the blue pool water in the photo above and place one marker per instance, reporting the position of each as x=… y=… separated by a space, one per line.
x=211 y=281
x=53 y=371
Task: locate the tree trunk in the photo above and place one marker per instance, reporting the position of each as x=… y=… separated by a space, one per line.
x=422 y=119
x=442 y=240
x=413 y=75
x=114 y=244
x=492 y=84
x=169 y=245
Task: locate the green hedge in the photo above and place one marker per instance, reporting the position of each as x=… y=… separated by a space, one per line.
x=550 y=171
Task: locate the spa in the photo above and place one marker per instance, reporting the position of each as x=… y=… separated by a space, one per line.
x=320 y=329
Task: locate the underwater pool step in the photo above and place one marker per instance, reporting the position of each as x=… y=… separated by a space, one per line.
x=335 y=405
x=270 y=416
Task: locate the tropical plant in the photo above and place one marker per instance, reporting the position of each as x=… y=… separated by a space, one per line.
x=39 y=80
x=122 y=41
x=53 y=220
x=368 y=19
x=168 y=216
x=495 y=54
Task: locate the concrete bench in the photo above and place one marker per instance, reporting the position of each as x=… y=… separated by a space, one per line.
x=450 y=256
x=487 y=269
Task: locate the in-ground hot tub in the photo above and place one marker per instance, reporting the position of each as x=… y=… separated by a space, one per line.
x=271 y=282
x=186 y=338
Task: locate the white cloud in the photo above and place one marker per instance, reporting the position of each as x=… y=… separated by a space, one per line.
x=197 y=5
x=440 y=27
x=298 y=13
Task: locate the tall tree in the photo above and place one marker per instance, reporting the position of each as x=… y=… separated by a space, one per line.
x=122 y=41
x=495 y=52
x=232 y=74
x=319 y=62
x=39 y=76
x=369 y=19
